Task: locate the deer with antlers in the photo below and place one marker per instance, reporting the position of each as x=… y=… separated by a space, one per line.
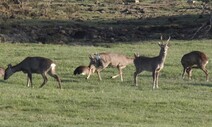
x=151 y=64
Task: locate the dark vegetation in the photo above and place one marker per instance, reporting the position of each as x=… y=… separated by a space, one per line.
x=89 y=22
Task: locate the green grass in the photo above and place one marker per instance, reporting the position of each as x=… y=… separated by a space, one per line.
x=110 y=102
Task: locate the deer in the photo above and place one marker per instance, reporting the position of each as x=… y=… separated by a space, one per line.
x=151 y=64
x=194 y=59
x=30 y=65
x=100 y=61
x=83 y=70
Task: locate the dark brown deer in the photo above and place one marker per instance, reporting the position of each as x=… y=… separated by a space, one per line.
x=100 y=61
x=152 y=64
x=31 y=65
x=194 y=59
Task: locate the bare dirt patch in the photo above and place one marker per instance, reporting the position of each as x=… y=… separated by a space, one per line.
x=99 y=23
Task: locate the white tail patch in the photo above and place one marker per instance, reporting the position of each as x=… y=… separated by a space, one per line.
x=206 y=62
x=53 y=65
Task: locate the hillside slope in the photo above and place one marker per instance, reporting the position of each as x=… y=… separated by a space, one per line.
x=77 y=22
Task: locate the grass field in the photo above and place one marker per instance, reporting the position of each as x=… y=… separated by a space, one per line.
x=110 y=102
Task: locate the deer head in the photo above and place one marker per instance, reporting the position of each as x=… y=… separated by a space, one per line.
x=164 y=46
x=8 y=72
x=95 y=60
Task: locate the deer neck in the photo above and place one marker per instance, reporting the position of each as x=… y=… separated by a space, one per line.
x=130 y=60
x=16 y=68
x=162 y=55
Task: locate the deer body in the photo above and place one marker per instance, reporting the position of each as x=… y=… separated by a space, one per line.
x=30 y=65
x=194 y=59
x=103 y=60
x=151 y=64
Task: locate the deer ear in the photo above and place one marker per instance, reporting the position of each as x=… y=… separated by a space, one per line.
x=169 y=45
x=161 y=37
x=159 y=43
x=91 y=56
x=136 y=55
x=97 y=57
x=168 y=40
x=9 y=65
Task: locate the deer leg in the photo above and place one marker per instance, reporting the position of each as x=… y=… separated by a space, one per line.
x=100 y=78
x=136 y=78
x=115 y=76
x=206 y=73
x=89 y=74
x=189 y=72
x=121 y=75
x=119 y=69
x=57 y=78
x=184 y=71
x=154 y=79
x=44 y=79
x=29 y=80
x=120 y=72
x=157 y=75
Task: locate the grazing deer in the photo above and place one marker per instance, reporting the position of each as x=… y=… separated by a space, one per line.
x=84 y=70
x=100 y=61
x=194 y=59
x=153 y=64
x=31 y=65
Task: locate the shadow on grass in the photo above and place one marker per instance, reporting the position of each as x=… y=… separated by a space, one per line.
x=3 y=81
x=201 y=84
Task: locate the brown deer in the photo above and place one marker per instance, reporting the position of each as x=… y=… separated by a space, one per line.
x=152 y=64
x=84 y=70
x=194 y=59
x=100 y=61
x=31 y=65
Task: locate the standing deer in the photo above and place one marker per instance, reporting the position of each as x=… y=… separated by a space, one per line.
x=153 y=64
x=31 y=65
x=100 y=61
x=194 y=59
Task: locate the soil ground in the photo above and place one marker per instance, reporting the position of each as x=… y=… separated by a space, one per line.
x=89 y=23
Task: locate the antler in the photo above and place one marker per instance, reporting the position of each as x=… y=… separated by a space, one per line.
x=161 y=37
x=97 y=56
x=168 y=40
